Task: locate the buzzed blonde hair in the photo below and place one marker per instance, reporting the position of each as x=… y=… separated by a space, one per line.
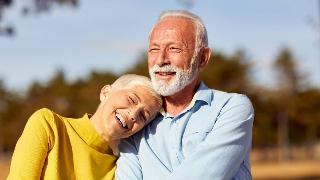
x=128 y=81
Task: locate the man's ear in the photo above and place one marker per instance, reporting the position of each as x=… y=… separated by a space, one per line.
x=104 y=92
x=205 y=57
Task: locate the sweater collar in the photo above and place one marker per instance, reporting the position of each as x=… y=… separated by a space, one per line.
x=84 y=127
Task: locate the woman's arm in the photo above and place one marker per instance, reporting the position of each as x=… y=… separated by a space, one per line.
x=32 y=147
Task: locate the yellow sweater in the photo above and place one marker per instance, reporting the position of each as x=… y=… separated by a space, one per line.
x=55 y=147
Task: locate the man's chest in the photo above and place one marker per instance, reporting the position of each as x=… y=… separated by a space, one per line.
x=171 y=140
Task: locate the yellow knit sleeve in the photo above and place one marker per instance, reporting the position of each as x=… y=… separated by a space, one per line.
x=32 y=147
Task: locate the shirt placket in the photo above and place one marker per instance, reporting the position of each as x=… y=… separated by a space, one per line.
x=178 y=127
x=174 y=141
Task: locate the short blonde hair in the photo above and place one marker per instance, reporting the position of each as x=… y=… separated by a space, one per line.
x=129 y=81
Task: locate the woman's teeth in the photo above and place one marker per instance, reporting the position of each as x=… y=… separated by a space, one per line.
x=121 y=120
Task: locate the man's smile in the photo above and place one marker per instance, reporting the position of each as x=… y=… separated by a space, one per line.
x=164 y=75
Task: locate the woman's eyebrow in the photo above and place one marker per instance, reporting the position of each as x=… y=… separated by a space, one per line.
x=136 y=96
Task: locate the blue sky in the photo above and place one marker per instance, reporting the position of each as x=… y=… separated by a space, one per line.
x=109 y=35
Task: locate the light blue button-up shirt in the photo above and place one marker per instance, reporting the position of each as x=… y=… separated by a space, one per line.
x=209 y=140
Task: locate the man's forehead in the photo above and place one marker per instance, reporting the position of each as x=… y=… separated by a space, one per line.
x=179 y=27
x=173 y=22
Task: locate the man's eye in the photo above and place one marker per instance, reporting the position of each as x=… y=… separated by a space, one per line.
x=154 y=49
x=175 y=49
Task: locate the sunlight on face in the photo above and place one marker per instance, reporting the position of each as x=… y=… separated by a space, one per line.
x=171 y=55
x=128 y=110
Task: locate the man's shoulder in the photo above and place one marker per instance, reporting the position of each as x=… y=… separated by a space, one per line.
x=223 y=96
x=230 y=97
x=232 y=102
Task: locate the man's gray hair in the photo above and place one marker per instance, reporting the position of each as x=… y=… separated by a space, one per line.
x=201 y=32
x=128 y=81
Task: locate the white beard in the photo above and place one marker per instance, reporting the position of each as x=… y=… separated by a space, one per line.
x=181 y=79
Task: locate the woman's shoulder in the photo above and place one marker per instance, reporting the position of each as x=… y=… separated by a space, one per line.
x=43 y=114
x=45 y=117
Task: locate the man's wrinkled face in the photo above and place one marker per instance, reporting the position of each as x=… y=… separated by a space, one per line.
x=127 y=111
x=171 y=60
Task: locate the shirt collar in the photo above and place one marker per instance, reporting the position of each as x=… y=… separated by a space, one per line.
x=203 y=94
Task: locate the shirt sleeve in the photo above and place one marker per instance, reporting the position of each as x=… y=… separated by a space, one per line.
x=128 y=165
x=220 y=155
x=31 y=149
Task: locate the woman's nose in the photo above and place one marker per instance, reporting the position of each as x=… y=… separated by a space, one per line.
x=134 y=113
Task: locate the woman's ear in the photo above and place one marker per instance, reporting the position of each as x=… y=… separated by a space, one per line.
x=104 y=92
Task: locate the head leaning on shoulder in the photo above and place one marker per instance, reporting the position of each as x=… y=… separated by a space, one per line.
x=126 y=107
x=178 y=51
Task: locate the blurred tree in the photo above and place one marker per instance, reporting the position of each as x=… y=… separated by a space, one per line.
x=41 y=6
x=85 y=98
x=69 y=99
x=265 y=124
x=141 y=67
x=10 y=110
x=30 y=7
x=227 y=73
x=289 y=87
x=289 y=78
x=5 y=30
x=3 y=107
x=306 y=116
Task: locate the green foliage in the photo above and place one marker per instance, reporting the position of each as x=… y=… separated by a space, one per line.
x=287 y=71
x=227 y=73
x=28 y=8
x=141 y=67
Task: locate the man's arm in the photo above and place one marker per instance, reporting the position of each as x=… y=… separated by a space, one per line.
x=128 y=165
x=220 y=155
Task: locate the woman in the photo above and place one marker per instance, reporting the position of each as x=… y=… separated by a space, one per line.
x=56 y=147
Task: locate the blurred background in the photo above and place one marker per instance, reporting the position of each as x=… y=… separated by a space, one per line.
x=59 y=53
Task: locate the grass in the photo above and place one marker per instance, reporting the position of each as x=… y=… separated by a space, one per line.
x=286 y=170
x=294 y=170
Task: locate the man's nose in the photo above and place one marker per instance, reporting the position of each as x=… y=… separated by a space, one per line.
x=163 y=58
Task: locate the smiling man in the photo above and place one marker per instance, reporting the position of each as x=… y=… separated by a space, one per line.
x=202 y=133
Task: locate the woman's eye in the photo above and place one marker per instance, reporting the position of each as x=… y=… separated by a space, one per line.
x=143 y=116
x=130 y=100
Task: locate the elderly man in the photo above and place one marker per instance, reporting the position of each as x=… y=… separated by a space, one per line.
x=202 y=134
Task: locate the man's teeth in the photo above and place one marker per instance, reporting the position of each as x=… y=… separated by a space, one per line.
x=121 y=120
x=166 y=73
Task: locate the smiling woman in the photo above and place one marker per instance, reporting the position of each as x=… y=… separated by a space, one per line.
x=68 y=148
x=126 y=106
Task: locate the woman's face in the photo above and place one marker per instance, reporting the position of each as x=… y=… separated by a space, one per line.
x=126 y=111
